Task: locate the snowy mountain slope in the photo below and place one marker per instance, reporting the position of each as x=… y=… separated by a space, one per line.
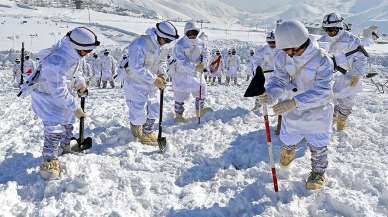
x=361 y=13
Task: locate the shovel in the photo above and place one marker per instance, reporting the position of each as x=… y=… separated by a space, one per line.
x=81 y=144
x=162 y=142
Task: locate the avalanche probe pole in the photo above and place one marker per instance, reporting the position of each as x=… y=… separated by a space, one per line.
x=269 y=143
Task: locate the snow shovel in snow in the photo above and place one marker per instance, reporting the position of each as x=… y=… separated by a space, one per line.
x=81 y=144
x=162 y=142
x=256 y=88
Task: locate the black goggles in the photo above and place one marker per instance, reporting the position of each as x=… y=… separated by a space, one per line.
x=192 y=33
x=331 y=29
x=167 y=40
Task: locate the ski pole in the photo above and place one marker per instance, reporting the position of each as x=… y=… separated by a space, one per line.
x=269 y=143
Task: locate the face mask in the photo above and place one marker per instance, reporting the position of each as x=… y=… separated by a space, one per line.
x=106 y=54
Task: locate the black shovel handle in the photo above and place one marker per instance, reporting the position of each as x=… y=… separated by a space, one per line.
x=161 y=114
x=82 y=119
x=81 y=122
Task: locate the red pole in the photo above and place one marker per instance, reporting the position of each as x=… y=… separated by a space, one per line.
x=269 y=143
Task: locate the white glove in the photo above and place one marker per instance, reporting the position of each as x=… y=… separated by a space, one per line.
x=160 y=83
x=81 y=88
x=265 y=98
x=79 y=113
x=285 y=106
x=354 y=80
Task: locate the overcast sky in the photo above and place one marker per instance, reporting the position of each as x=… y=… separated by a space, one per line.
x=254 y=5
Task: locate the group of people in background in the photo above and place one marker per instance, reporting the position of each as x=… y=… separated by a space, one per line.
x=303 y=83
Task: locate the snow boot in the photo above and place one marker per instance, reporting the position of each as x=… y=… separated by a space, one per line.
x=50 y=169
x=227 y=81
x=287 y=156
x=137 y=130
x=315 y=181
x=257 y=106
x=149 y=139
x=112 y=84
x=235 y=82
x=180 y=119
x=341 y=123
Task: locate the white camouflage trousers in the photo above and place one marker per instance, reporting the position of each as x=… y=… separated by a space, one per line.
x=317 y=144
x=55 y=137
x=343 y=107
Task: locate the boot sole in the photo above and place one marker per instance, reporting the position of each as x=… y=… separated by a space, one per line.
x=150 y=143
x=48 y=176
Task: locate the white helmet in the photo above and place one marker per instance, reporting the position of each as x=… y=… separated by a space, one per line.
x=270 y=37
x=191 y=26
x=332 y=20
x=290 y=34
x=82 y=38
x=165 y=29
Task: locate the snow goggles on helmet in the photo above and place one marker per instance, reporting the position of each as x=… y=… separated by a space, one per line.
x=176 y=36
x=327 y=21
x=96 y=42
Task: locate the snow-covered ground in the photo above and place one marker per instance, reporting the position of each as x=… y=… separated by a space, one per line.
x=218 y=168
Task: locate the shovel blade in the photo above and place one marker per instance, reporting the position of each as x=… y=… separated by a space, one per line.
x=87 y=144
x=162 y=142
